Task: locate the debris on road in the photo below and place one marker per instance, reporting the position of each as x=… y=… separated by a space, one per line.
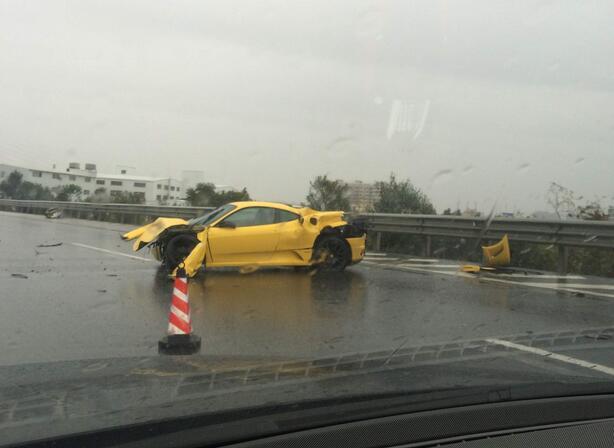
x=19 y=275
x=102 y=290
x=49 y=245
x=53 y=213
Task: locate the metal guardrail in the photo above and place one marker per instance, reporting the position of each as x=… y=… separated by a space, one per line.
x=560 y=233
x=563 y=234
x=98 y=211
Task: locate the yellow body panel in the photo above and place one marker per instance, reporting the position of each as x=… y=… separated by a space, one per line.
x=498 y=254
x=358 y=248
x=148 y=233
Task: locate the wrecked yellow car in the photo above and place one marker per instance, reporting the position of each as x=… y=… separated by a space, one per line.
x=254 y=234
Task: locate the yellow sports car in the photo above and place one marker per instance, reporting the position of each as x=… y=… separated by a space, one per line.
x=253 y=234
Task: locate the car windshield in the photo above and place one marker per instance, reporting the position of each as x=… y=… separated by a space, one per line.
x=211 y=216
x=449 y=165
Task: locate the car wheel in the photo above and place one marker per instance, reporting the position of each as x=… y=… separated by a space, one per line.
x=178 y=248
x=332 y=254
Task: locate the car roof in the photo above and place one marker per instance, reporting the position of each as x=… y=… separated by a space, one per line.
x=277 y=205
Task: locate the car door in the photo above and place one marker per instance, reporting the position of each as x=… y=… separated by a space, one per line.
x=249 y=235
x=292 y=233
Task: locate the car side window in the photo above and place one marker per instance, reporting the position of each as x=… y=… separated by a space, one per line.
x=252 y=216
x=284 y=216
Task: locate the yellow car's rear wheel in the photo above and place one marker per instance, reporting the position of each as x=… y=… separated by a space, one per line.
x=332 y=253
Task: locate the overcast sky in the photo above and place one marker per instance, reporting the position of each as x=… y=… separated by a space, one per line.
x=474 y=101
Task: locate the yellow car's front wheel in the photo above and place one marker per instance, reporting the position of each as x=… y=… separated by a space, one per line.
x=178 y=248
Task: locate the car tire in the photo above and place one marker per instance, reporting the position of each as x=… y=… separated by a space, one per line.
x=332 y=253
x=178 y=248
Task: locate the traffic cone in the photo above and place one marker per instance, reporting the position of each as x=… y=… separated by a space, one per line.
x=180 y=340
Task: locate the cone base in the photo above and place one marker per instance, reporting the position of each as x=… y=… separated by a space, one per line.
x=179 y=344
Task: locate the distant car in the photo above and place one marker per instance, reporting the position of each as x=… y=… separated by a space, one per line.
x=254 y=234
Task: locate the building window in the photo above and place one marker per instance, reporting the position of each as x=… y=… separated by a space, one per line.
x=56 y=176
x=87 y=179
x=172 y=188
x=166 y=187
x=71 y=177
x=34 y=174
x=165 y=197
x=177 y=188
x=139 y=184
x=159 y=187
x=86 y=191
x=172 y=197
x=100 y=182
x=159 y=197
x=117 y=183
x=115 y=192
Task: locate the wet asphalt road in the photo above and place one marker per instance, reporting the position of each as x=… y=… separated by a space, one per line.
x=82 y=302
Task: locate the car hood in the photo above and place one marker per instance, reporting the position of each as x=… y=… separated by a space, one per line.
x=93 y=394
x=148 y=233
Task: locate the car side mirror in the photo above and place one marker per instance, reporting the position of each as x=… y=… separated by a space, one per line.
x=227 y=225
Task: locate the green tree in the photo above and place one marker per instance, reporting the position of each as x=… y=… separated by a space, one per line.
x=69 y=193
x=402 y=197
x=561 y=199
x=204 y=195
x=125 y=197
x=201 y=196
x=327 y=194
x=224 y=197
x=10 y=186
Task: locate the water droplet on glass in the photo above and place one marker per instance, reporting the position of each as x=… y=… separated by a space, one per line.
x=441 y=176
x=523 y=167
x=579 y=160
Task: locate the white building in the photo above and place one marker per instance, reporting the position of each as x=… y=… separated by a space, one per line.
x=362 y=196
x=153 y=190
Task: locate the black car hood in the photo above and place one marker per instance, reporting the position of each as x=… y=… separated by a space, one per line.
x=43 y=400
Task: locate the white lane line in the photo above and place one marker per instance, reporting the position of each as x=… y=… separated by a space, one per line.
x=112 y=252
x=411 y=268
x=588 y=286
x=544 y=276
x=380 y=259
x=418 y=265
x=551 y=286
x=376 y=254
x=424 y=260
x=551 y=355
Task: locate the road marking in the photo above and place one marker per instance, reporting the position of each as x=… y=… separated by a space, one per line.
x=112 y=252
x=544 y=276
x=588 y=286
x=552 y=286
x=376 y=254
x=418 y=265
x=424 y=260
x=380 y=259
x=551 y=355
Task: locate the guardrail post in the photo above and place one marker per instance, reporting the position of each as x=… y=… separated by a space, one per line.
x=427 y=246
x=378 y=241
x=563 y=260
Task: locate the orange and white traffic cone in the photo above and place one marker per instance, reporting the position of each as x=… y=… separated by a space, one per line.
x=180 y=340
